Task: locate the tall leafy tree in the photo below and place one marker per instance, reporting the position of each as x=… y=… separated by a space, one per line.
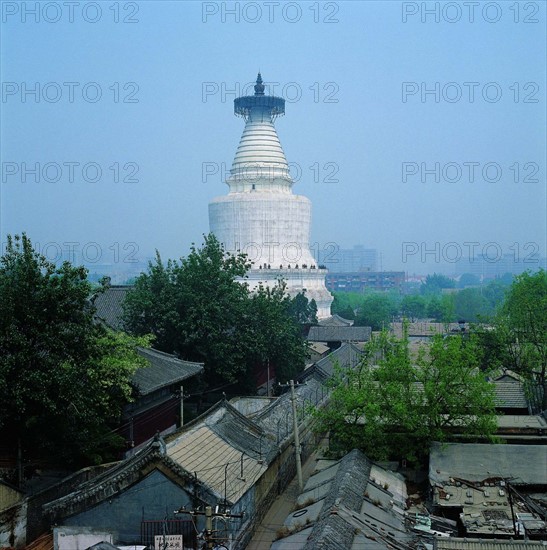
x=198 y=309
x=435 y=283
x=272 y=335
x=471 y=305
x=414 y=306
x=468 y=279
x=517 y=337
x=63 y=378
x=302 y=310
x=193 y=308
x=396 y=406
x=376 y=310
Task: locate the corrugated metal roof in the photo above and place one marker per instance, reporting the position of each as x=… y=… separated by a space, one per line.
x=522 y=464
x=163 y=370
x=484 y=544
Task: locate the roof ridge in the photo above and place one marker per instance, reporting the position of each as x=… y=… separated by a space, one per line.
x=168 y=355
x=193 y=423
x=113 y=475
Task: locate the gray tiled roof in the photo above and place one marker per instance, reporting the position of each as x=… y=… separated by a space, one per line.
x=243 y=434
x=347 y=355
x=276 y=419
x=163 y=370
x=339 y=334
x=336 y=321
x=116 y=479
x=510 y=395
x=347 y=489
x=109 y=305
x=522 y=464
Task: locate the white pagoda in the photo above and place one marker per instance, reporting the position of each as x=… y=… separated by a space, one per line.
x=261 y=216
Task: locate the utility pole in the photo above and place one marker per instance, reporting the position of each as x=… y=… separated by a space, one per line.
x=268 y=382
x=296 y=439
x=209 y=515
x=297 y=449
x=209 y=526
x=181 y=405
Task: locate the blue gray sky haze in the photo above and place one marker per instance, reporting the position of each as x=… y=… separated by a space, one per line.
x=406 y=122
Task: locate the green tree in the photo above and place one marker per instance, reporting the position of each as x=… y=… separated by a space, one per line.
x=347 y=313
x=435 y=283
x=344 y=300
x=63 y=378
x=302 y=310
x=193 y=308
x=517 y=337
x=413 y=306
x=434 y=308
x=471 y=305
x=396 y=408
x=494 y=293
x=376 y=310
x=271 y=335
x=468 y=279
x=197 y=309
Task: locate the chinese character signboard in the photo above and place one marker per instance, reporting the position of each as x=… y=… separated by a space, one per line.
x=168 y=542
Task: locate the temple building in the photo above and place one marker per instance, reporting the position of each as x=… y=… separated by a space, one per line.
x=261 y=216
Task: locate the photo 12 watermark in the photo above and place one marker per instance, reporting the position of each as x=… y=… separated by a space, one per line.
x=290 y=255
x=270 y=12
x=89 y=252
x=70 y=12
x=470 y=252
x=470 y=92
x=253 y=173
x=70 y=172
x=469 y=172
x=69 y=92
x=292 y=92
x=470 y=12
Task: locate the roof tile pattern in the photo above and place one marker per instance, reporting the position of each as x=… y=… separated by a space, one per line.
x=510 y=395
x=163 y=370
x=109 y=305
x=339 y=334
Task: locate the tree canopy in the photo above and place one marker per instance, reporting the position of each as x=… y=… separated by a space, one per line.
x=64 y=379
x=435 y=283
x=517 y=336
x=376 y=310
x=197 y=309
x=395 y=404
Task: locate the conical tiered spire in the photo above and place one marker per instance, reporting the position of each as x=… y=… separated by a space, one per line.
x=261 y=216
x=259 y=87
x=259 y=163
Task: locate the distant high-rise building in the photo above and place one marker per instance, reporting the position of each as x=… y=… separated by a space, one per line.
x=366 y=280
x=348 y=260
x=486 y=267
x=260 y=215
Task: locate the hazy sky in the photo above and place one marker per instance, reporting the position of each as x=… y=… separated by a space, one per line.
x=380 y=96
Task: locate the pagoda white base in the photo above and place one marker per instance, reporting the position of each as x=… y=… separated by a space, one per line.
x=297 y=280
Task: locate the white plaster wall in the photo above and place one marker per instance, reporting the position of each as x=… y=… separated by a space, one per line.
x=270 y=228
